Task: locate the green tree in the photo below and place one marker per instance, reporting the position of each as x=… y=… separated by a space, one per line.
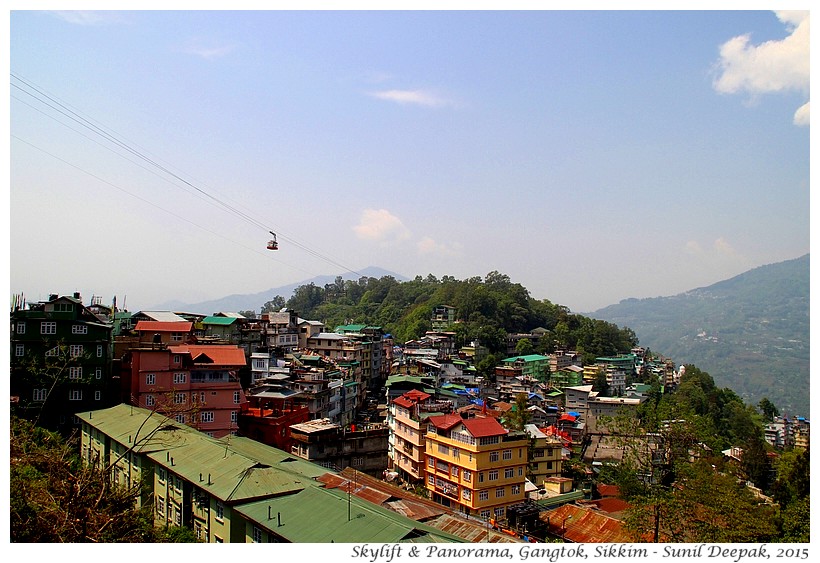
x=768 y=409
x=524 y=347
x=275 y=304
x=54 y=498
x=519 y=416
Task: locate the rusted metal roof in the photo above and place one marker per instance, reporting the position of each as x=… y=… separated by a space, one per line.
x=334 y=481
x=582 y=525
x=416 y=510
x=474 y=531
x=163 y=326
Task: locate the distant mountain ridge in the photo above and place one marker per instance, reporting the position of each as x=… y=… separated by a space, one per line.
x=750 y=332
x=254 y=301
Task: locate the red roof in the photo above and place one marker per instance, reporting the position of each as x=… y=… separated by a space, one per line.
x=164 y=326
x=581 y=525
x=480 y=427
x=608 y=490
x=219 y=355
x=445 y=421
x=416 y=395
x=403 y=402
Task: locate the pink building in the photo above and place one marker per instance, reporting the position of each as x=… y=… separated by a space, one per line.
x=197 y=385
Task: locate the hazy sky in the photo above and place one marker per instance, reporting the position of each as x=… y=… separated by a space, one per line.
x=591 y=156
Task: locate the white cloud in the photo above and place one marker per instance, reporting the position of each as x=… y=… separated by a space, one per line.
x=88 y=17
x=417 y=97
x=429 y=246
x=772 y=66
x=206 y=51
x=692 y=247
x=722 y=246
x=379 y=225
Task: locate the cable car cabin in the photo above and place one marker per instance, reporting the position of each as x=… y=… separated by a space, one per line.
x=272 y=244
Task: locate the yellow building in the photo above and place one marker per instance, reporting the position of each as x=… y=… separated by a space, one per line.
x=545 y=456
x=475 y=465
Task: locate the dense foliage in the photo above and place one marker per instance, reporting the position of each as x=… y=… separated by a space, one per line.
x=55 y=499
x=487 y=310
x=751 y=331
x=681 y=487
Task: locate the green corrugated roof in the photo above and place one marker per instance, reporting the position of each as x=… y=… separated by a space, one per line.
x=527 y=358
x=225 y=321
x=317 y=515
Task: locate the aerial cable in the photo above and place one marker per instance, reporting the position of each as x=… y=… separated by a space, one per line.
x=78 y=118
x=181 y=218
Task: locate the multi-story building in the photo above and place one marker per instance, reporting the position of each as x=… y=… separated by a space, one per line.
x=362 y=447
x=475 y=465
x=535 y=366
x=235 y=490
x=407 y=422
x=60 y=361
x=196 y=384
x=443 y=316
x=545 y=456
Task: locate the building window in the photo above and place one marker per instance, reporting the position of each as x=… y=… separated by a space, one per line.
x=207 y=416
x=466 y=494
x=75 y=395
x=520 y=471
x=151 y=379
x=179 y=398
x=100 y=350
x=488 y=440
x=48 y=327
x=483 y=495
x=149 y=400
x=98 y=373
x=79 y=329
x=431 y=479
x=75 y=372
x=499 y=512
x=21 y=327
x=431 y=462
x=454 y=472
x=467 y=475
x=176 y=337
x=179 y=377
x=162 y=475
x=234 y=416
x=177 y=358
x=493 y=457
x=40 y=395
x=53 y=352
x=160 y=505
x=499 y=492
x=515 y=489
x=220 y=511
x=20 y=350
x=97 y=395
x=75 y=350
x=509 y=473
x=357 y=461
x=485 y=514
x=180 y=418
x=493 y=475
x=508 y=454
x=236 y=397
x=257 y=535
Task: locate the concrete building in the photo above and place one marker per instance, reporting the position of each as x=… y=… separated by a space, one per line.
x=475 y=465
x=60 y=361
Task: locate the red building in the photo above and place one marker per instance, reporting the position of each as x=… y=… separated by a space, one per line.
x=269 y=413
x=196 y=384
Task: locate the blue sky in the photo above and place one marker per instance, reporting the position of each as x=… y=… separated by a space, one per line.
x=591 y=156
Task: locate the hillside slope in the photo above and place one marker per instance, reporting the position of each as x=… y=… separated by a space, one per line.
x=750 y=332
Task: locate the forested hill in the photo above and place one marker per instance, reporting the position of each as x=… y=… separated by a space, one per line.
x=488 y=309
x=750 y=332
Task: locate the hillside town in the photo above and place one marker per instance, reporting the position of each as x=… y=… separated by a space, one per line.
x=276 y=428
